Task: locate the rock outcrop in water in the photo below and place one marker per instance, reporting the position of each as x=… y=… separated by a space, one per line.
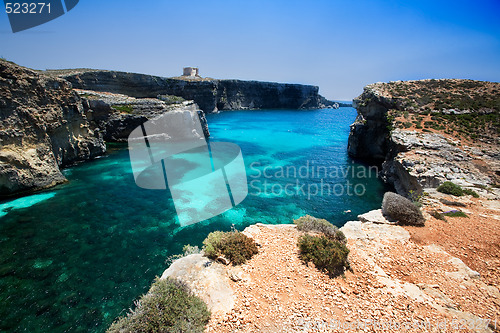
x=429 y=131
x=118 y=115
x=43 y=127
x=210 y=94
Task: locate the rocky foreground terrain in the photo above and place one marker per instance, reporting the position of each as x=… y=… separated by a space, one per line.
x=403 y=279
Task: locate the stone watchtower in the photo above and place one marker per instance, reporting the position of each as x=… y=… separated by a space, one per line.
x=190 y=71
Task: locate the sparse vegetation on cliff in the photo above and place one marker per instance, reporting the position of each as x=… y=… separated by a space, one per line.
x=456 y=190
x=462 y=108
x=234 y=246
x=309 y=223
x=123 y=108
x=455 y=213
x=426 y=95
x=171 y=99
x=169 y=306
x=325 y=253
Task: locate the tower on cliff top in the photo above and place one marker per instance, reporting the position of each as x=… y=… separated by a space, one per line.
x=190 y=71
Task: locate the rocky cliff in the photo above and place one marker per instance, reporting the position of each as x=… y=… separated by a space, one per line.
x=210 y=94
x=43 y=126
x=118 y=115
x=429 y=131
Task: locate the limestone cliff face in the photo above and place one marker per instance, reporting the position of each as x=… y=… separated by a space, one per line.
x=415 y=159
x=43 y=126
x=211 y=95
x=118 y=115
x=369 y=136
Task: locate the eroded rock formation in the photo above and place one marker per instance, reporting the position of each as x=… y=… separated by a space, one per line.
x=415 y=158
x=43 y=126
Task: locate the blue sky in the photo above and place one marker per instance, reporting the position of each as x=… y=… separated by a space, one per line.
x=338 y=45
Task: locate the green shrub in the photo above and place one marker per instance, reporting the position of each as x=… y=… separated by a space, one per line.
x=471 y=192
x=169 y=306
x=312 y=224
x=438 y=215
x=450 y=188
x=401 y=209
x=171 y=99
x=325 y=253
x=232 y=245
x=453 y=203
x=455 y=213
x=123 y=108
x=186 y=251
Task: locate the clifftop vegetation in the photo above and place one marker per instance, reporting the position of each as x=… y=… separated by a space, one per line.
x=460 y=108
x=442 y=95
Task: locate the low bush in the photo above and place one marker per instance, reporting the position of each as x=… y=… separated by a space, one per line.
x=450 y=188
x=169 y=306
x=123 y=108
x=453 y=203
x=401 y=209
x=455 y=213
x=186 y=251
x=325 y=253
x=438 y=215
x=171 y=99
x=312 y=224
x=471 y=192
x=233 y=245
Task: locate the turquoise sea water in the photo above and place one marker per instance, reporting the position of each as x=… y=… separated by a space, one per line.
x=75 y=257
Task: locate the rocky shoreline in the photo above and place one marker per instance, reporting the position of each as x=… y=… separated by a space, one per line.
x=52 y=119
x=48 y=125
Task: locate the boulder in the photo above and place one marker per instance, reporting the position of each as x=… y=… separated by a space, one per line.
x=376 y=216
x=207 y=279
x=401 y=209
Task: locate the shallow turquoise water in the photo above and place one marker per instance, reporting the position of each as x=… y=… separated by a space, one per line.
x=75 y=257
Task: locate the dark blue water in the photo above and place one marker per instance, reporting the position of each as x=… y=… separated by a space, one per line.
x=75 y=257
